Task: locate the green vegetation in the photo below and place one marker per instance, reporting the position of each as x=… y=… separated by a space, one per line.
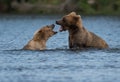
x=106 y=7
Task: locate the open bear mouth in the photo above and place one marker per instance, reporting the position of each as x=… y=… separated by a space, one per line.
x=52 y=27
x=55 y=32
x=62 y=28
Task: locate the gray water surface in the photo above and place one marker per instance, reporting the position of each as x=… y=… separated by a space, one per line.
x=58 y=63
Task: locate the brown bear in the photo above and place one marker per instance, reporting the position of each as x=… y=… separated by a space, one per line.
x=79 y=37
x=40 y=38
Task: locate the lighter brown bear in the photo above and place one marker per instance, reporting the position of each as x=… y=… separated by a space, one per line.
x=79 y=37
x=40 y=38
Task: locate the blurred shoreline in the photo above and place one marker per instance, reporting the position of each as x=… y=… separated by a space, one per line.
x=58 y=7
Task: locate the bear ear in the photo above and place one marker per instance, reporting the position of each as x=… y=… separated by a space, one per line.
x=73 y=13
x=40 y=31
x=76 y=17
x=79 y=16
x=36 y=32
x=41 y=34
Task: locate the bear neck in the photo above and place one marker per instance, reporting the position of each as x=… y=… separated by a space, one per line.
x=40 y=38
x=78 y=27
x=73 y=29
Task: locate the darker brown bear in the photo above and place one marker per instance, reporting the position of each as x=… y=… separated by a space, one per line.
x=79 y=37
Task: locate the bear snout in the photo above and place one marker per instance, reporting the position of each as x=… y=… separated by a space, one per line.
x=59 y=22
x=55 y=32
x=53 y=25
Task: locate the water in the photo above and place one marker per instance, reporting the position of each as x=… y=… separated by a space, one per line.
x=58 y=63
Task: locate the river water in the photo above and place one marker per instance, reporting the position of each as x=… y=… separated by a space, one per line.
x=57 y=63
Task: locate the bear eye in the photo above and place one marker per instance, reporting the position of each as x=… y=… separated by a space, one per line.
x=63 y=19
